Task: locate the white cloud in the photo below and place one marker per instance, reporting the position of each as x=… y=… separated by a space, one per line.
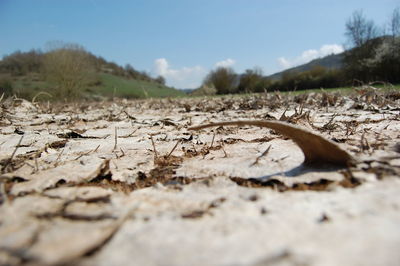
x=284 y=63
x=309 y=55
x=186 y=77
x=225 y=63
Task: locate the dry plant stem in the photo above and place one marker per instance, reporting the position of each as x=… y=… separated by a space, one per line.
x=3 y=193
x=212 y=141
x=131 y=134
x=98 y=146
x=36 y=165
x=330 y=121
x=87 y=153
x=154 y=147
x=128 y=115
x=262 y=155
x=316 y=148
x=115 y=164
x=116 y=139
x=13 y=154
x=176 y=145
x=222 y=147
x=123 y=153
x=364 y=143
x=58 y=157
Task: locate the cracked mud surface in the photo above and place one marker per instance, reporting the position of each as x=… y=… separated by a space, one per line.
x=126 y=182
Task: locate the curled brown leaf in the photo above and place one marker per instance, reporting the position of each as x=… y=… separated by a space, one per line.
x=316 y=148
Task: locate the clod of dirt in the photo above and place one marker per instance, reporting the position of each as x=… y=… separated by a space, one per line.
x=316 y=148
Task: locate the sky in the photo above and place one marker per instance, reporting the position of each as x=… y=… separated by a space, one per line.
x=183 y=40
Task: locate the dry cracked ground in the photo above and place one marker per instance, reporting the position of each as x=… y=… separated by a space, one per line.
x=127 y=182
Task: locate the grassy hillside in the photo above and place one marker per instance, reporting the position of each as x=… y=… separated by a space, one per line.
x=107 y=85
x=71 y=72
x=130 y=88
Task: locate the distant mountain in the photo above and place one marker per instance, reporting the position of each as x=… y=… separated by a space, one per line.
x=333 y=61
x=187 y=91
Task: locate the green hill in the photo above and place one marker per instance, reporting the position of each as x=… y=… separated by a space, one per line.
x=27 y=74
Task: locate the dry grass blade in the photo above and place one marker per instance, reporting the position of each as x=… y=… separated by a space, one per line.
x=316 y=148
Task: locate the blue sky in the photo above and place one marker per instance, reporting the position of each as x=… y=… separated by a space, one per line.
x=184 y=39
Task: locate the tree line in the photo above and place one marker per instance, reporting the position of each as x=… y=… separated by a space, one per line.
x=373 y=55
x=69 y=67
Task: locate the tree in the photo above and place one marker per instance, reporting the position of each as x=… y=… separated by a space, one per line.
x=223 y=79
x=373 y=57
x=20 y=63
x=363 y=34
x=385 y=63
x=359 y=30
x=69 y=67
x=395 y=23
x=160 y=80
x=251 y=80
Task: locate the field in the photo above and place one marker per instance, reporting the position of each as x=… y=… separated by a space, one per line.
x=134 y=182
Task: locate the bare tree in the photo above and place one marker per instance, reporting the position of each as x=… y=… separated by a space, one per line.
x=359 y=30
x=395 y=22
x=69 y=67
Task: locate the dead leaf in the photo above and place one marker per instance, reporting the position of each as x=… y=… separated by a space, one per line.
x=316 y=148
